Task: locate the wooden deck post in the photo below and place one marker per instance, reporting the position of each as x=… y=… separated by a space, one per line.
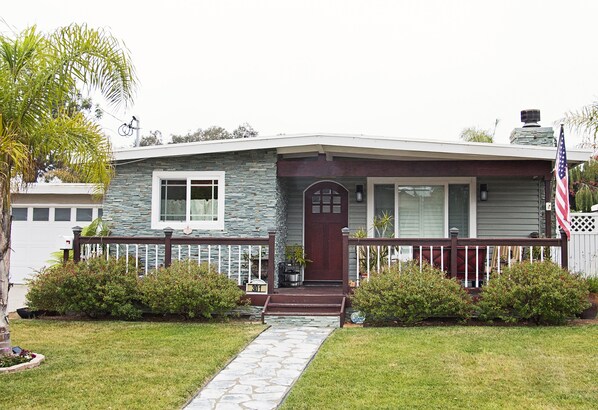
x=564 y=250
x=345 y=260
x=271 y=258
x=547 y=199
x=168 y=246
x=454 y=232
x=77 y=243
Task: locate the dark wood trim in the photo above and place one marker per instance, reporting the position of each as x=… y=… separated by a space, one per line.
x=547 y=214
x=320 y=167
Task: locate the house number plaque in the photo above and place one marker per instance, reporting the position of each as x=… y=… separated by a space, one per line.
x=256 y=286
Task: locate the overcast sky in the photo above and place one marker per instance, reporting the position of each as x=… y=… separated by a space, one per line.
x=413 y=69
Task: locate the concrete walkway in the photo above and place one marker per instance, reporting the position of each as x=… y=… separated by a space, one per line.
x=262 y=374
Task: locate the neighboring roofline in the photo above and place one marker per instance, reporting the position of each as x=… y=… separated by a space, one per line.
x=355 y=145
x=56 y=189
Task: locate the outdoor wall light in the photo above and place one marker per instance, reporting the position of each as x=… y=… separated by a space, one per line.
x=483 y=192
x=358 y=193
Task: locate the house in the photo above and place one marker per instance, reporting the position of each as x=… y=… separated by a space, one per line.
x=42 y=215
x=308 y=187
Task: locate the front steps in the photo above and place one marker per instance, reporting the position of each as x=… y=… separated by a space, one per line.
x=323 y=310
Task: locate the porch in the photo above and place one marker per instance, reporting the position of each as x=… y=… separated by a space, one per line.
x=251 y=262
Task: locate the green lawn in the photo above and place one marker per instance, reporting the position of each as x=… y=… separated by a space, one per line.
x=119 y=364
x=453 y=367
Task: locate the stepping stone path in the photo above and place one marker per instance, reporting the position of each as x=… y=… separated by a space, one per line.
x=261 y=375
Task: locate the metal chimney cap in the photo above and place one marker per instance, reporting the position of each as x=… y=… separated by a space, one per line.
x=530 y=118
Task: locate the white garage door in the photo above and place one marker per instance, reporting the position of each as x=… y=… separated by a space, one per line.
x=37 y=232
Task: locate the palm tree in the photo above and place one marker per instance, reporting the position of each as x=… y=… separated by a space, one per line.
x=39 y=75
x=473 y=134
x=585 y=121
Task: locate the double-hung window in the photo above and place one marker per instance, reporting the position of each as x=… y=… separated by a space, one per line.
x=183 y=199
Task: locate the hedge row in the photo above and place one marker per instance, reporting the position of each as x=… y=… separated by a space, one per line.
x=100 y=287
x=540 y=293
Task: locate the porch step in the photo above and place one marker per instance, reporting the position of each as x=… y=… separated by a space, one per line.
x=333 y=283
x=281 y=305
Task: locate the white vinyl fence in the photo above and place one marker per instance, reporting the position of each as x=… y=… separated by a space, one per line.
x=583 y=245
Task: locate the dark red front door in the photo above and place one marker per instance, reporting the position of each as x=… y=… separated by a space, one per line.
x=326 y=214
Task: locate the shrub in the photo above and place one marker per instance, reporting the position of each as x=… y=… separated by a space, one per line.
x=46 y=289
x=96 y=287
x=540 y=292
x=410 y=295
x=592 y=284
x=189 y=289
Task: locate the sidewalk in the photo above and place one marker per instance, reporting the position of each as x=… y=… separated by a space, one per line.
x=261 y=375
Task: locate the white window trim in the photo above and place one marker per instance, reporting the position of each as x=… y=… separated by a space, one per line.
x=158 y=176
x=472 y=181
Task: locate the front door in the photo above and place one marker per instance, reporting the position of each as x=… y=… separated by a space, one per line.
x=326 y=214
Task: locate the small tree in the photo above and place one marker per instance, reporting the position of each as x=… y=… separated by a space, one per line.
x=38 y=75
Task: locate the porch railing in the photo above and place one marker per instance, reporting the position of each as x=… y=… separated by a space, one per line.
x=241 y=259
x=473 y=261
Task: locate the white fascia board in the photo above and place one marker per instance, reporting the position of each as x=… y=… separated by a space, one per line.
x=57 y=188
x=355 y=145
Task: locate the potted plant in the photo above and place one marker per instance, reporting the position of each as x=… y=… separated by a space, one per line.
x=295 y=256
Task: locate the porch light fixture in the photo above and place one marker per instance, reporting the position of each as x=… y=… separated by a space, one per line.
x=358 y=193
x=483 y=192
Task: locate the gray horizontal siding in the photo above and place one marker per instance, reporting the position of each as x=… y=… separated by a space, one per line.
x=512 y=208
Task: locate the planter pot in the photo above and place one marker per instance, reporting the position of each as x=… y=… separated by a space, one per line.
x=592 y=311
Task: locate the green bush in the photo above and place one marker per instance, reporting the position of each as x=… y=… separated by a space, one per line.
x=592 y=284
x=96 y=287
x=46 y=289
x=410 y=295
x=189 y=289
x=540 y=292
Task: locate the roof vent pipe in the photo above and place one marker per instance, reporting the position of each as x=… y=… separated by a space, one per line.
x=530 y=118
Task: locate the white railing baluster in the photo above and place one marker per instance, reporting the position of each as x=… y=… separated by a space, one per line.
x=466 y=266
x=378 y=257
x=357 y=251
x=431 y=255
x=239 y=265
x=259 y=262
x=107 y=251
x=126 y=258
x=421 y=258
x=442 y=258
x=209 y=255
x=117 y=250
x=137 y=259
x=156 y=249
x=368 y=263
x=229 y=260
x=179 y=249
x=509 y=256
x=498 y=260
x=219 y=260
x=249 y=265
x=199 y=254
x=389 y=256
x=541 y=254
x=146 y=258
x=487 y=266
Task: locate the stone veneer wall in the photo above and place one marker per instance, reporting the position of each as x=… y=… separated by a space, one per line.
x=251 y=197
x=538 y=136
x=544 y=137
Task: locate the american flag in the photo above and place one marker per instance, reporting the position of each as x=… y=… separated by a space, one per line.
x=561 y=201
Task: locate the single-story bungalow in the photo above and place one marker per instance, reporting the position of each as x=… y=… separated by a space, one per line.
x=308 y=187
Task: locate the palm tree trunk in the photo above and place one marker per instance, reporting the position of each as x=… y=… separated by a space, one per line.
x=5 y=222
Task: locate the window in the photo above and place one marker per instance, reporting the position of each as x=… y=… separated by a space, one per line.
x=85 y=214
x=423 y=207
x=62 y=214
x=188 y=199
x=41 y=214
x=19 y=214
